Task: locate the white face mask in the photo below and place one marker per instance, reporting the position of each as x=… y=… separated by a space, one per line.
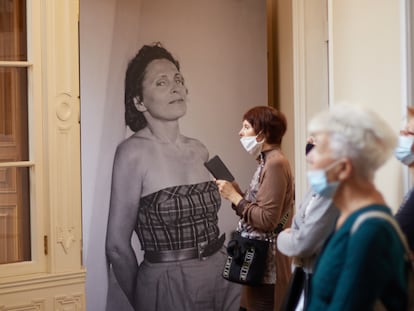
x=251 y=145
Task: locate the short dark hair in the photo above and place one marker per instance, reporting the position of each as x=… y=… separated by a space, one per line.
x=133 y=81
x=268 y=121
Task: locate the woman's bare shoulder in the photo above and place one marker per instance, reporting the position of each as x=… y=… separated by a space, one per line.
x=196 y=145
x=131 y=148
x=193 y=141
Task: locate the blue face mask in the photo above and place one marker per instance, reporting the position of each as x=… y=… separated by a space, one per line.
x=320 y=184
x=403 y=151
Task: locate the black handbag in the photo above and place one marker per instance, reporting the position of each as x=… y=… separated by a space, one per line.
x=246 y=260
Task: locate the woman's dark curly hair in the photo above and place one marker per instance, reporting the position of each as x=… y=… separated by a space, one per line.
x=268 y=121
x=133 y=81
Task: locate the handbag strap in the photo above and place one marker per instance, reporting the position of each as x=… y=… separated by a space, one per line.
x=408 y=257
x=282 y=223
x=377 y=214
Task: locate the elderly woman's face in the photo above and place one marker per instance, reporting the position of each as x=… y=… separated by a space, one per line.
x=320 y=156
x=163 y=90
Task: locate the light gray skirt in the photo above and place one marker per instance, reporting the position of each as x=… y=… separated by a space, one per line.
x=189 y=285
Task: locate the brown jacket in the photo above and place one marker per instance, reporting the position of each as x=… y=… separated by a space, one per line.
x=275 y=197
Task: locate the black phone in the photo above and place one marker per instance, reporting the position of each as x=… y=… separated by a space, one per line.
x=218 y=169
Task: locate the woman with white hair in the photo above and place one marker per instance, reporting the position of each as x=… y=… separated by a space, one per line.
x=365 y=267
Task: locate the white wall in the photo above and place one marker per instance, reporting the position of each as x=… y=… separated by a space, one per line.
x=222 y=49
x=310 y=76
x=366 y=67
x=284 y=53
x=366 y=64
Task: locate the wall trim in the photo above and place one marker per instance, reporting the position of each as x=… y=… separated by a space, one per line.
x=41 y=281
x=407 y=15
x=299 y=95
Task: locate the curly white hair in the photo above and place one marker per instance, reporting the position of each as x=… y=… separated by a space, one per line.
x=357 y=133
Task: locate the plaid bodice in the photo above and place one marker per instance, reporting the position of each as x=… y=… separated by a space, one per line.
x=178 y=217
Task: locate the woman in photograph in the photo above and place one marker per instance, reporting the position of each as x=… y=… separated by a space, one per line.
x=266 y=205
x=162 y=192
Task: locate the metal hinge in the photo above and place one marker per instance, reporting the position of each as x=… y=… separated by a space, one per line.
x=45 y=244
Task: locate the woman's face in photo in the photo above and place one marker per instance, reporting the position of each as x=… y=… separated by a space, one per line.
x=164 y=92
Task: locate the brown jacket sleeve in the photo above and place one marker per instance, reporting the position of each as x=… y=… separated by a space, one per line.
x=275 y=194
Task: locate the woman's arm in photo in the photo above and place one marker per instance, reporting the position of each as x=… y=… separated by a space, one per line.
x=125 y=196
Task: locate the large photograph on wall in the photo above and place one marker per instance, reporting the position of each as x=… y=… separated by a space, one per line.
x=164 y=85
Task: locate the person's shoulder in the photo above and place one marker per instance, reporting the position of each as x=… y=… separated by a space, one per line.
x=192 y=141
x=408 y=201
x=196 y=146
x=126 y=145
x=377 y=227
x=322 y=201
x=276 y=158
x=128 y=149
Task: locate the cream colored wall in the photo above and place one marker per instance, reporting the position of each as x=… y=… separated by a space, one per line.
x=310 y=76
x=285 y=73
x=366 y=67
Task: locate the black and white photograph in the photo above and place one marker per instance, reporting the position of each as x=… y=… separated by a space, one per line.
x=165 y=94
x=206 y=155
